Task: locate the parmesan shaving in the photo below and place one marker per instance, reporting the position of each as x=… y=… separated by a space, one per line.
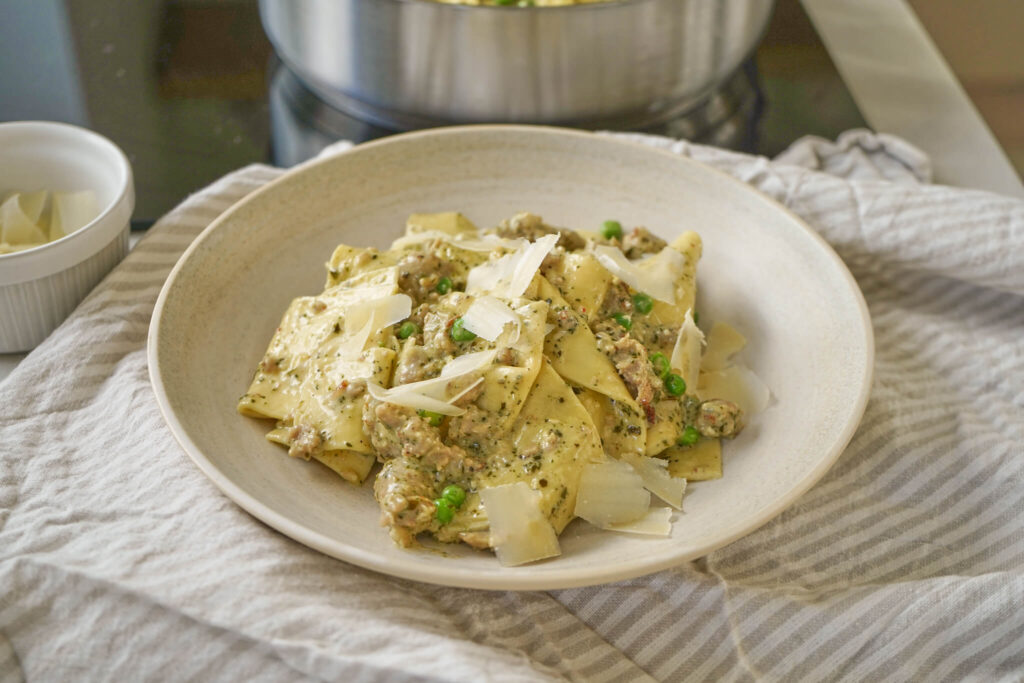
x=611 y=492
x=657 y=522
x=489 y=276
x=655 y=276
x=510 y=275
x=520 y=532
x=367 y=317
x=412 y=399
x=532 y=256
x=487 y=317
x=33 y=204
x=657 y=480
x=354 y=344
x=686 y=353
x=471 y=387
x=18 y=222
x=431 y=394
x=72 y=210
x=737 y=384
x=465 y=364
x=31 y=219
x=384 y=311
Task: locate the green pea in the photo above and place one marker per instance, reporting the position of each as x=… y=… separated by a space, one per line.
x=689 y=436
x=407 y=329
x=504 y=3
x=454 y=494
x=624 y=320
x=696 y=317
x=675 y=385
x=430 y=416
x=611 y=230
x=460 y=333
x=642 y=303
x=661 y=364
x=444 y=285
x=443 y=510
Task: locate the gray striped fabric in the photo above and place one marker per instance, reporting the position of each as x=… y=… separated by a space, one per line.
x=120 y=561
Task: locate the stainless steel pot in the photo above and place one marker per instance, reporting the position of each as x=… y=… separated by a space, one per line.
x=415 y=63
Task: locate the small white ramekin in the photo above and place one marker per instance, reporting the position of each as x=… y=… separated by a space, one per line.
x=39 y=287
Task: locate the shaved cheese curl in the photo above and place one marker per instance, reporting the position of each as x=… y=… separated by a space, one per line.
x=366 y=317
x=437 y=387
x=487 y=317
x=611 y=492
x=455 y=399
x=432 y=394
x=467 y=363
x=520 y=532
x=412 y=399
x=657 y=522
x=509 y=276
x=354 y=344
x=686 y=354
x=532 y=256
x=657 y=480
x=656 y=276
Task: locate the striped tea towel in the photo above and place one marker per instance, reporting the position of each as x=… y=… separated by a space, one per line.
x=120 y=561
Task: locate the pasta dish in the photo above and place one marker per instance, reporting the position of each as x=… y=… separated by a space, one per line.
x=508 y=381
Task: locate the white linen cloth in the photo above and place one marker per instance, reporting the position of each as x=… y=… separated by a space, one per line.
x=120 y=561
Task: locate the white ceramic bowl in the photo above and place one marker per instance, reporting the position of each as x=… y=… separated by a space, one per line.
x=764 y=270
x=39 y=287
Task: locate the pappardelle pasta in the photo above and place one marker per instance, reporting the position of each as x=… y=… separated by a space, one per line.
x=509 y=380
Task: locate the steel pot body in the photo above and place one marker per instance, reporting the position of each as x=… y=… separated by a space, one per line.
x=415 y=63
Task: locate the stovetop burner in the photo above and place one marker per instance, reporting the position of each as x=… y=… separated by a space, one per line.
x=302 y=124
